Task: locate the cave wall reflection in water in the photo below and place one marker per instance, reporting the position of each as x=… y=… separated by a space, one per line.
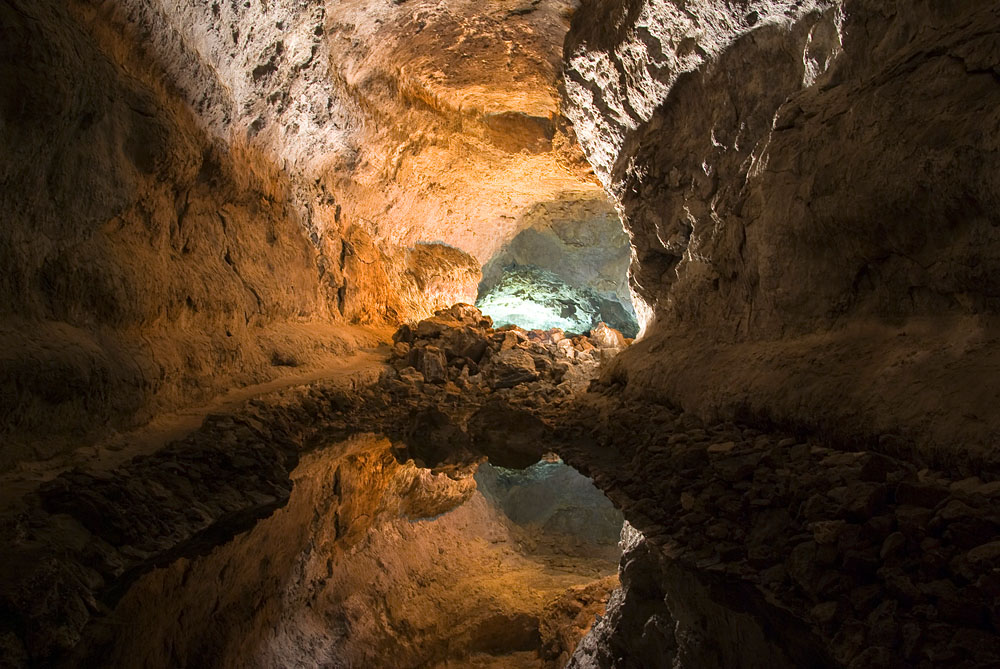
x=556 y=500
x=379 y=563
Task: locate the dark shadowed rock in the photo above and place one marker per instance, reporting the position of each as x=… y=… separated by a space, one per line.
x=512 y=367
x=508 y=436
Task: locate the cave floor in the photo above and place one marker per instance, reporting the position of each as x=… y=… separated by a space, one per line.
x=362 y=367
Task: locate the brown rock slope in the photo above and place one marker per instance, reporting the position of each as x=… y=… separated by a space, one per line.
x=146 y=263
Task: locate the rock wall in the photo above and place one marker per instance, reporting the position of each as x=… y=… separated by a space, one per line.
x=810 y=190
x=139 y=253
x=761 y=548
x=582 y=242
x=431 y=122
x=197 y=195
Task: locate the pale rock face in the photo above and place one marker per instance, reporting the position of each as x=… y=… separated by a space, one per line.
x=582 y=242
x=614 y=86
x=537 y=299
x=605 y=337
x=437 y=121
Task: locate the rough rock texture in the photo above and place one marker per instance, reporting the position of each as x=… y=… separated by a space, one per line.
x=581 y=242
x=194 y=192
x=637 y=629
x=765 y=549
x=810 y=189
x=758 y=547
x=430 y=122
x=457 y=353
x=532 y=297
x=138 y=254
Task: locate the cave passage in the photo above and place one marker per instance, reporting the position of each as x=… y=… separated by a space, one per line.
x=534 y=298
x=297 y=297
x=568 y=269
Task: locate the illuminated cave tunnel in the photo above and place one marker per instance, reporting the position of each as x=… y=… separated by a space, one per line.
x=567 y=271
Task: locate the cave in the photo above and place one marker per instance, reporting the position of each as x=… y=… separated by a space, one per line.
x=586 y=334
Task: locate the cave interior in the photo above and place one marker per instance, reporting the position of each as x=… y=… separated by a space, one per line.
x=541 y=334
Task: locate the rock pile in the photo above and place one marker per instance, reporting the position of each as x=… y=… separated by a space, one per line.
x=459 y=350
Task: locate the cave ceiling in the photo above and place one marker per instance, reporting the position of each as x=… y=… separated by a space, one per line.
x=419 y=121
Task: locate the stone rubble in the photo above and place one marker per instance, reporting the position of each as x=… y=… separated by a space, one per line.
x=459 y=347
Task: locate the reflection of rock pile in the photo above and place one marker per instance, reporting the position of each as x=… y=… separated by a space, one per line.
x=533 y=297
x=558 y=501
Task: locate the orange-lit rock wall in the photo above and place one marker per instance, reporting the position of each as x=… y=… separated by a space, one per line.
x=198 y=196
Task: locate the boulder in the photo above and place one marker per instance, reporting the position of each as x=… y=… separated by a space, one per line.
x=603 y=336
x=512 y=367
x=433 y=327
x=434 y=365
x=403 y=334
x=464 y=342
x=412 y=376
x=465 y=314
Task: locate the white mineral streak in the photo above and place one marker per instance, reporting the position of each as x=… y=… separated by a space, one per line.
x=823 y=46
x=260 y=69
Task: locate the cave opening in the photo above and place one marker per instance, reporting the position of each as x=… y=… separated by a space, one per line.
x=566 y=269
